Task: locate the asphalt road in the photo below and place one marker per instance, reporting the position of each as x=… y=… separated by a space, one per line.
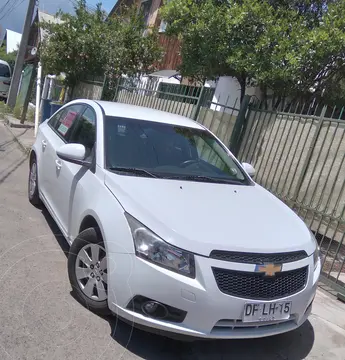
x=40 y=319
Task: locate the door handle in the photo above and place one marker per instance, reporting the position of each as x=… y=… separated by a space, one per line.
x=44 y=144
x=58 y=164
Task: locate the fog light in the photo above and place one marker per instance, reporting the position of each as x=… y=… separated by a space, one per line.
x=154 y=309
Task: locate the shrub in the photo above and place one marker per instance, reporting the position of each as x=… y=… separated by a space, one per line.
x=30 y=115
x=3 y=109
x=17 y=111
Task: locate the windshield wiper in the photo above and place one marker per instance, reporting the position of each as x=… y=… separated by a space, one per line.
x=136 y=171
x=211 y=179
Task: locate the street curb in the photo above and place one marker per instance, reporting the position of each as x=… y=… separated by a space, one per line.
x=9 y=121
x=26 y=150
x=341 y=297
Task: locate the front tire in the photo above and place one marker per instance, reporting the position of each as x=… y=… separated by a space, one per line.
x=87 y=271
x=33 y=194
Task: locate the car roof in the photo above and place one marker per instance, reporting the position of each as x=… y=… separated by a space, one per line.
x=143 y=113
x=4 y=62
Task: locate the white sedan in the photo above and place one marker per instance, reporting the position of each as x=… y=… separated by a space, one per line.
x=167 y=229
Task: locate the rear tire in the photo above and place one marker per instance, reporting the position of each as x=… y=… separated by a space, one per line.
x=33 y=194
x=87 y=271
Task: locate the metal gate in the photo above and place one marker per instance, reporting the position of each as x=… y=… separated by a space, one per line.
x=299 y=155
x=179 y=99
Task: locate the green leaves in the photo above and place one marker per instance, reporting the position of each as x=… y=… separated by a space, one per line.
x=88 y=43
x=289 y=46
x=9 y=58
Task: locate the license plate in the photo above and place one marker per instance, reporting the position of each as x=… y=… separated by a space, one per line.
x=256 y=312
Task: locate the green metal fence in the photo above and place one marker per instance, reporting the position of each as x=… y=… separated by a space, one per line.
x=178 y=99
x=298 y=151
x=223 y=117
x=299 y=156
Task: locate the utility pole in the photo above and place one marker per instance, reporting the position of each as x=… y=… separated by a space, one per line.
x=38 y=96
x=12 y=95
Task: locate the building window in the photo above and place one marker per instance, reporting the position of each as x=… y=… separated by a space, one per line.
x=162 y=26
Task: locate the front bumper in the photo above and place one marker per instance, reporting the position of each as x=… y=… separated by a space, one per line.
x=210 y=313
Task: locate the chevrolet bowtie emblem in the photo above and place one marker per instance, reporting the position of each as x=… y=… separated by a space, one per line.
x=268 y=269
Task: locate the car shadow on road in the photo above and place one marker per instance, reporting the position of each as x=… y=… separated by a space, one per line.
x=294 y=345
x=56 y=231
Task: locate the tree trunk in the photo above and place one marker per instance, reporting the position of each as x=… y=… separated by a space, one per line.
x=277 y=103
x=263 y=89
x=242 y=81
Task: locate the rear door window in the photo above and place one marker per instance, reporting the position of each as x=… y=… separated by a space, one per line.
x=85 y=131
x=63 y=122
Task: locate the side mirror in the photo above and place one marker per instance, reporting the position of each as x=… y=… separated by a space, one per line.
x=249 y=169
x=74 y=153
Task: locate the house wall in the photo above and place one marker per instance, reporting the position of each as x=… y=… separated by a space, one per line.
x=116 y=10
x=228 y=93
x=12 y=41
x=171 y=46
x=153 y=16
x=87 y=90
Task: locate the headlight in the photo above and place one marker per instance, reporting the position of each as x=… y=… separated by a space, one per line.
x=150 y=247
x=316 y=255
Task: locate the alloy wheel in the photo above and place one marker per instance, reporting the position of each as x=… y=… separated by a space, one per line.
x=33 y=178
x=91 y=271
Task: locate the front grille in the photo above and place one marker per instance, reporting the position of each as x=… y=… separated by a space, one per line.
x=239 y=324
x=257 y=286
x=249 y=328
x=256 y=258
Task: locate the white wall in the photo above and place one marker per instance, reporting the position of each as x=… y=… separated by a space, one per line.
x=12 y=41
x=144 y=81
x=228 y=93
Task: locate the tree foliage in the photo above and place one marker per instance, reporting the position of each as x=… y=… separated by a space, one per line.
x=293 y=47
x=10 y=58
x=90 y=44
x=131 y=48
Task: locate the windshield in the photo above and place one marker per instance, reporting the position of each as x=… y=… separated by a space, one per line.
x=152 y=149
x=4 y=71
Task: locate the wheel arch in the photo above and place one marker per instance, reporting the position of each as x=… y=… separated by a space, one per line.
x=88 y=222
x=90 y=219
x=32 y=156
x=108 y=215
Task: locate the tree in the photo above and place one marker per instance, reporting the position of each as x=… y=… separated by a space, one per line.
x=132 y=48
x=289 y=46
x=75 y=46
x=10 y=58
x=89 y=43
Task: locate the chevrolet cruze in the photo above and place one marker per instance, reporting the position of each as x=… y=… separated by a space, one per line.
x=167 y=230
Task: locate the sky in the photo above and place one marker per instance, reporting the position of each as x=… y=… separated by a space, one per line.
x=14 y=20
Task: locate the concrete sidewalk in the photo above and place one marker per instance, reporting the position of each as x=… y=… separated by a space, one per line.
x=24 y=136
x=328 y=321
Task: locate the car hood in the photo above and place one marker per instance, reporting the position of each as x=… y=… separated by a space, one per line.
x=201 y=217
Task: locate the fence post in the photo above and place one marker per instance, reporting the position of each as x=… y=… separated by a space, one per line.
x=198 y=105
x=309 y=155
x=103 y=86
x=237 y=132
x=116 y=89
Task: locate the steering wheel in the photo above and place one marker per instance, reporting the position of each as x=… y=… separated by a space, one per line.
x=189 y=162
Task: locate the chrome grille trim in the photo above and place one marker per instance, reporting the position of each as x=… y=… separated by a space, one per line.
x=256 y=258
